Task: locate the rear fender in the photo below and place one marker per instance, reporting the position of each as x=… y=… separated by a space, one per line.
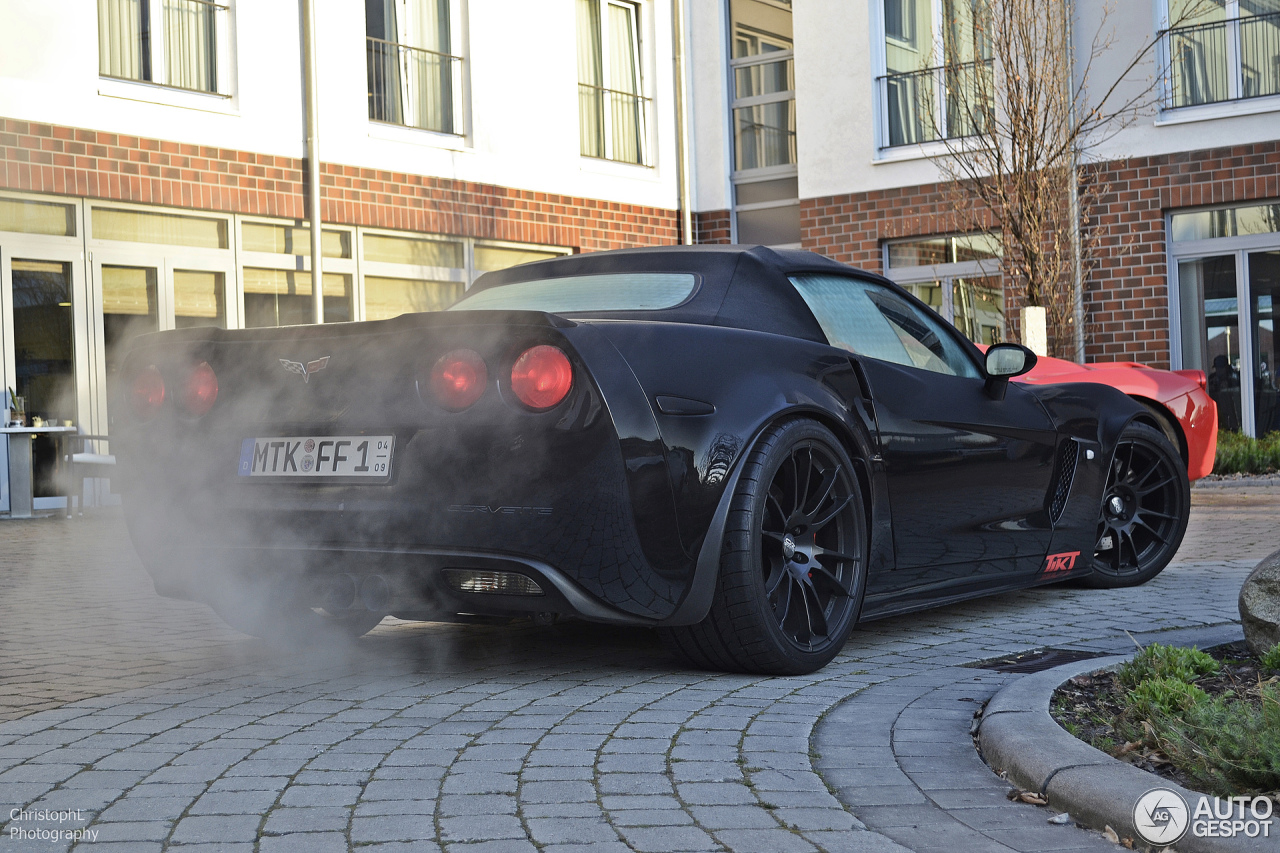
x=709 y=418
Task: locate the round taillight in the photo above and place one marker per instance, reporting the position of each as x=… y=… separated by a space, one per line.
x=458 y=379
x=147 y=393
x=201 y=390
x=541 y=377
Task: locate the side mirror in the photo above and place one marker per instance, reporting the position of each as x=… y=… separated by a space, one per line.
x=1005 y=361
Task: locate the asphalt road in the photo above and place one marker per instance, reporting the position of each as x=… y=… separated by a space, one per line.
x=143 y=723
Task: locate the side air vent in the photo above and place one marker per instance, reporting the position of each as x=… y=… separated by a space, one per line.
x=1066 y=472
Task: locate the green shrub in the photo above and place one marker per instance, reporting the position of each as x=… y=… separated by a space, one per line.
x=1155 y=698
x=1240 y=454
x=1226 y=747
x=1271 y=660
x=1157 y=661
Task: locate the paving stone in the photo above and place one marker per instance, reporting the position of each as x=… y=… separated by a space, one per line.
x=306 y=820
x=320 y=795
x=148 y=831
x=305 y=842
x=391 y=828
x=572 y=728
x=571 y=830
x=481 y=827
x=217 y=830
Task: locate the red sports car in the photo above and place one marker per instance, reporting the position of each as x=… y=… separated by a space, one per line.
x=1179 y=404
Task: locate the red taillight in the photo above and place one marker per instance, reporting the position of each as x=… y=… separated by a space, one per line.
x=459 y=378
x=541 y=377
x=148 y=393
x=201 y=391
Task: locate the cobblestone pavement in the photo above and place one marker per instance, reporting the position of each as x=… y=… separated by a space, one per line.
x=160 y=728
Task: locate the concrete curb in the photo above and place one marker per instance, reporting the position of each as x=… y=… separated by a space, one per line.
x=1019 y=738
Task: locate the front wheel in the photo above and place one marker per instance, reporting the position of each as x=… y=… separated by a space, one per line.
x=1144 y=510
x=793 y=564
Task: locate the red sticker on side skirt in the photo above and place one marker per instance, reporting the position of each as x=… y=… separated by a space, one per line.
x=1063 y=562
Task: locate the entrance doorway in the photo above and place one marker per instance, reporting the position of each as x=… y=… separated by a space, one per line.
x=1227 y=268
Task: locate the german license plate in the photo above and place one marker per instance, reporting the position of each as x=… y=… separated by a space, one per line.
x=315 y=456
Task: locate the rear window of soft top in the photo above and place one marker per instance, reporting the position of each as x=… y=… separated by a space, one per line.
x=585 y=293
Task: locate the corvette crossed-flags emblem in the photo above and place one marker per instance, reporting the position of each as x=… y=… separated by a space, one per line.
x=305 y=370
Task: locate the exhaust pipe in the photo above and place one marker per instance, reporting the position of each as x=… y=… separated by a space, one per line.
x=375 y=593
x=340 y=593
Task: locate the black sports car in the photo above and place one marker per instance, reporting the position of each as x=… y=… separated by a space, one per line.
x=749 y=450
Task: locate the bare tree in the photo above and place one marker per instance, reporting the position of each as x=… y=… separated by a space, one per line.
x=1019 y=113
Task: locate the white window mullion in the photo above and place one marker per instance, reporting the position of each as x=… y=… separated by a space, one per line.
x=1235 y=73
x=156 y=15
x=939 y=75
x=1244 y=322
x=606 y=75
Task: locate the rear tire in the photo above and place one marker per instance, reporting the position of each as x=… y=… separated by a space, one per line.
x=793 y=560
x=1144 y=511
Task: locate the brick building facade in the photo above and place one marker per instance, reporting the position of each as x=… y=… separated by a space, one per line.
x=81 y=162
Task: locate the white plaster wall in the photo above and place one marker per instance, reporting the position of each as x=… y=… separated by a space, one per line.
x=519 y=56
x=49 y=73
x=836 y=65
x=1131 y=26
x=835 y=104
x=707 y=59
x=521 y=63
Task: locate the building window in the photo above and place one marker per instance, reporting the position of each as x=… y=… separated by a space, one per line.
x=1226 y=284
x=170 y=42
x=1222 y=51
x=414 y=73
x=276 y=273
x=766 y=202
x=937 y=79
x=612 y=109
x=958 y=276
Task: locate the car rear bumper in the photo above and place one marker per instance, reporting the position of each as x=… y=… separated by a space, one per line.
x=1197 y=414
x=413 y=583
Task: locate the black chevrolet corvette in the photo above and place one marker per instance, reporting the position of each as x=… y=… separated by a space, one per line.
x=749 y=450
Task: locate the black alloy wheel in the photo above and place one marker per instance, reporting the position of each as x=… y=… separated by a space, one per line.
x=1144 y=512
x=808 y=577
x=793 y=568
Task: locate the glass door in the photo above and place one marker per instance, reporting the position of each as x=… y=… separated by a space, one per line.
x=142 y=290
x=977 y=308
x=1264 y=302
x=130 y=307
x=1211 y=330
x=44 y=348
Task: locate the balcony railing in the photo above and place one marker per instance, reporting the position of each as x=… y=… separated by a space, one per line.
x=412 y=86
x=947 y=102
x=614 y=124
x=1224 y=60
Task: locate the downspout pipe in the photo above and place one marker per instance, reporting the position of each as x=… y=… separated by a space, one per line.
x=684 y=159
x=313 y=157
x=1077 y=241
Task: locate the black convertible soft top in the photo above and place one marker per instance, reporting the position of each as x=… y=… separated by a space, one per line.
x=742 y=287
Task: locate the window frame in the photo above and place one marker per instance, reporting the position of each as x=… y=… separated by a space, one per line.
x=639 y=13
x=459 y=89
x=224 y=68
x=944 y=274
x=758 y=174
x=936 y=51
x=1236 y=101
